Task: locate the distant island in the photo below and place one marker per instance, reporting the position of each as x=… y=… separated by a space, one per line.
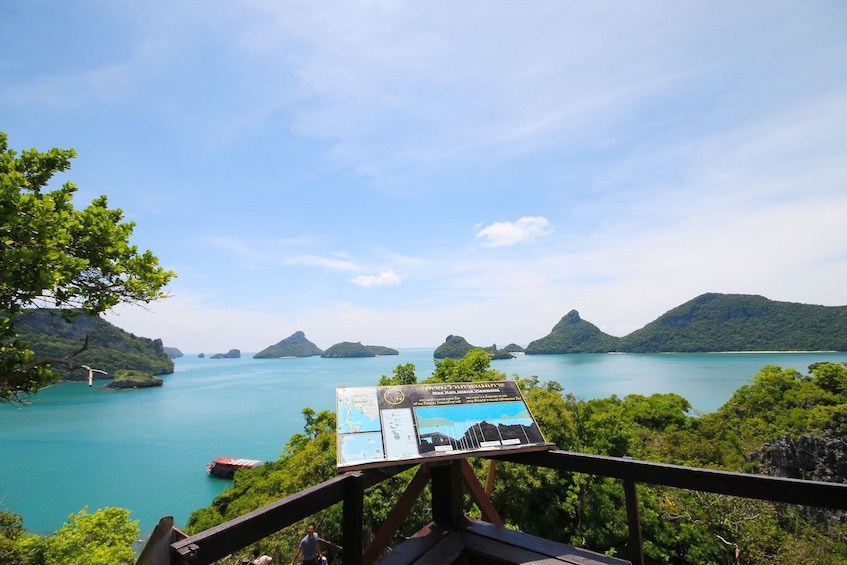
x=231 y=354
x=347 y=349
x=711 y=322
x=456 y=347
x=172 y=352
x=295 y=345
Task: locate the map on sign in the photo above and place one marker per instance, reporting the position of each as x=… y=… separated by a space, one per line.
x=380 y=426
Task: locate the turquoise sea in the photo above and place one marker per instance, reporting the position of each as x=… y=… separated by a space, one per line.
x=146 y=450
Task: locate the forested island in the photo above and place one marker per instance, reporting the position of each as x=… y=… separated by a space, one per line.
x=711 y=322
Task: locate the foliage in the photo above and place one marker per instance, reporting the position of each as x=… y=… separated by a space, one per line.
x=54 y=254
x=404 y=374
x=474 y=366
x=109 y=348
x=105 y=537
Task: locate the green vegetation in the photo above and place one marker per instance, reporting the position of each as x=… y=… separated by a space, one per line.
x=738 y=322
x=295 y=345
x=711 y=322
x=573 y=335
x=348 y=349
x=110 y=348
x=134 y=379
x=102 y=538
x=54 y=254
x=679 y=526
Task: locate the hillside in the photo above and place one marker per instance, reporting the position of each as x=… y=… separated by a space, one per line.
x=742 y=322
x=295 y=345
x=110 y=348
x=573 y=335
x=711 y=322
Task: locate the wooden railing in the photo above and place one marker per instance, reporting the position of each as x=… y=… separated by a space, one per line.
x=168 y=546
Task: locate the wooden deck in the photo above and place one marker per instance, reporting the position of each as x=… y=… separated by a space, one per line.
x=477 y=542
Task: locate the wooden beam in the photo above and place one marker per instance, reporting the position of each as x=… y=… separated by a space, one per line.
x=221 y=540
x=396 y=515
x=479 y=494
x=761 y=487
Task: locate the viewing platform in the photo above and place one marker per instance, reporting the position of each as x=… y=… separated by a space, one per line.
x=453 y=538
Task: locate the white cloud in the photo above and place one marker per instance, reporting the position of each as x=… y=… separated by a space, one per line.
x=383 y=278
x=527 y=229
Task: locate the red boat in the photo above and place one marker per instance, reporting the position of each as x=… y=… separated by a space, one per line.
x=225 y=467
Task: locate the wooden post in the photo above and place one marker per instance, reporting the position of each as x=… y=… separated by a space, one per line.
x=352 y=520
x=633 y=518
x=489 y=481
x=446 y=493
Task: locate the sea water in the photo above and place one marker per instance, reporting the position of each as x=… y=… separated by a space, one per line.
x=146 y=450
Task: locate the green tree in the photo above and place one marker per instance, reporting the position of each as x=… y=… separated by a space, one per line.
x=474 y=366
x=102 y=538
x=52 y=254
x=403 y=375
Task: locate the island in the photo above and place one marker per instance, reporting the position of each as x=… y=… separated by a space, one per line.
x=295 y=345
x=348 y=349
x=231 y=354
x=132 y=379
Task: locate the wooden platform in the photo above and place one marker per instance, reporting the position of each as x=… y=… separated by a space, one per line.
x=476 y=542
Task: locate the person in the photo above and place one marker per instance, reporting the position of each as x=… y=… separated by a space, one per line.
x=309 y=547
x=260 y=559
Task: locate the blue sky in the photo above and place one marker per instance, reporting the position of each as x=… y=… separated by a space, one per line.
x=395 y=172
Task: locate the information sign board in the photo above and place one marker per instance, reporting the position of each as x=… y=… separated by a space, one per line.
x=381 y=426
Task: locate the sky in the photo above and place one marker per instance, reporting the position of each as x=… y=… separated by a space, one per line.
x=392 y=173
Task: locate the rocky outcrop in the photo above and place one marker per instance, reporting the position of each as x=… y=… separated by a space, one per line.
x=808 y=457
x=231 y=354
x=817 y=458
